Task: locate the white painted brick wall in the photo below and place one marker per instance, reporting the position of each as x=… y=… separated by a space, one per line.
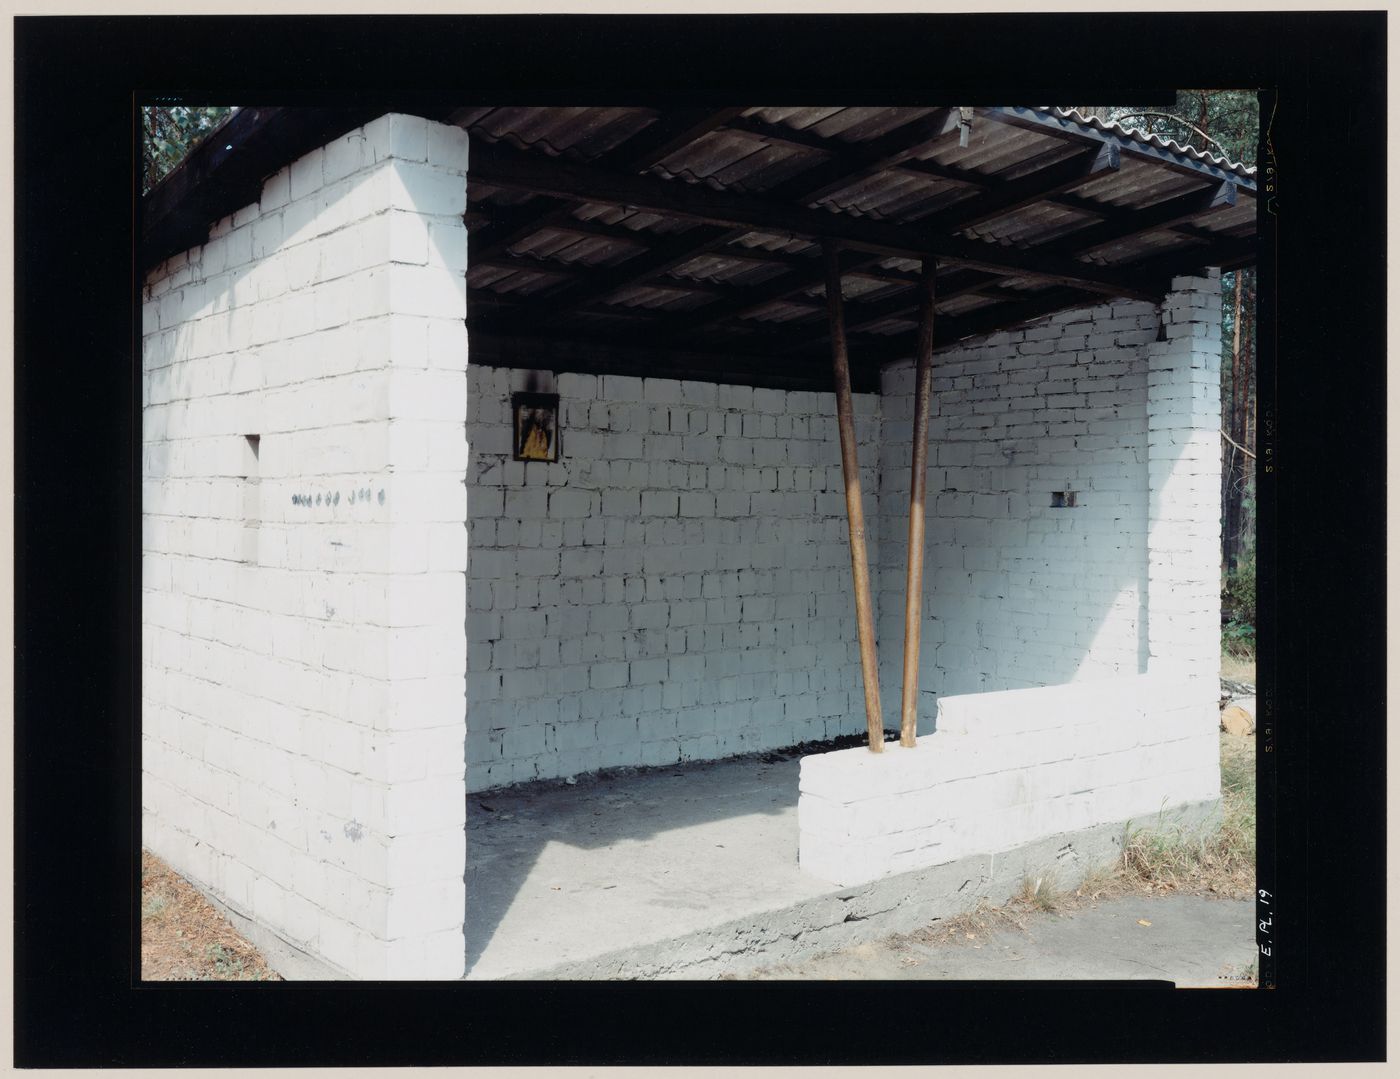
x=676 y=587
x=1183 y=457
x=1018 y=593
x=1006 y=768
x=302 y=698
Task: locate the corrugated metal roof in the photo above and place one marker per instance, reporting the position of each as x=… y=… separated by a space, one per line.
x=580 y=132
x=934 y=179
x=567 y=264
x=1139 y=135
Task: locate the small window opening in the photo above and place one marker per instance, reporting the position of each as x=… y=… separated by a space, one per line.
x=1061 y=499
x=252 y=507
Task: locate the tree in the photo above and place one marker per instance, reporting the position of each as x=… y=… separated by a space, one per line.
x=170 y=132
x=1225 y=123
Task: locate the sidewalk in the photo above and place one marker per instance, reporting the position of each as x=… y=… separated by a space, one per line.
x=1193 y=941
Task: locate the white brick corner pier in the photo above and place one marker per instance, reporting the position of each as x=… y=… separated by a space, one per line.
x=1004 y=769
x=304 y=555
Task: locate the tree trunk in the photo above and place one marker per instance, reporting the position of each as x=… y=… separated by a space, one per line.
x=1230 y=475
x=1247 y=408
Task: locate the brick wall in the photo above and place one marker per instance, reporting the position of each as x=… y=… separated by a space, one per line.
x=1017 y=591
x=676 y=587
x=303 y=651
x=1183 y=456
x=1004 y=769
x=1070 y=653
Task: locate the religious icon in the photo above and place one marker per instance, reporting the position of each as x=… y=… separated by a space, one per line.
x=536 y=426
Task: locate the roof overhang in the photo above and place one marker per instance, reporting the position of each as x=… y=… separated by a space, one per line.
x=689 y=238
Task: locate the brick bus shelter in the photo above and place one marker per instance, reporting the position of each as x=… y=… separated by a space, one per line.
x=490 y=450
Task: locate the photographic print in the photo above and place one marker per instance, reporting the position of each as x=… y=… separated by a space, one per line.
x=678 y=615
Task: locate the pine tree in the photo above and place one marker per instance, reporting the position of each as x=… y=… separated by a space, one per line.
x=169 y=133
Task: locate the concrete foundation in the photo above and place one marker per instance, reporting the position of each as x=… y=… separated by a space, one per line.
x=692 y=873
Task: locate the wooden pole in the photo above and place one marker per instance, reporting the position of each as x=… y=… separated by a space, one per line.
x=855 y=513
x=918 y=483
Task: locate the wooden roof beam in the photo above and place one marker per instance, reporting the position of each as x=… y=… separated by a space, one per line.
x=503 y=167
x=1155 y=272
x=582 y=272
x=861 y=314
x=862 y=160
x=611 y=355
x=1163 y=215
x=1013 y=195
x=851 y=163
x=1045 y=123
x=671 y=131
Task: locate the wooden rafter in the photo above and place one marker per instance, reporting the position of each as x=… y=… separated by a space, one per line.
x=671 y=131
x=718 y=218
x=1051 y=183
x=747 y=364
x=850 y=167
x=1051 y=179
x=723 y=210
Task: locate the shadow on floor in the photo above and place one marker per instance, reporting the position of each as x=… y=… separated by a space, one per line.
x=558 y=872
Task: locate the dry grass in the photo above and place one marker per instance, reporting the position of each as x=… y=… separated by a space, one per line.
x=184 y=938
x=970 y=927
x=1208 y=859
x=1237 y=668
x=1041 y=893
x=1215 y=858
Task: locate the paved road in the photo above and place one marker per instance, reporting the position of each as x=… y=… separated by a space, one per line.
x=1192 y=941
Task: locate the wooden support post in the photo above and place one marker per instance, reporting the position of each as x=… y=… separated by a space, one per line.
x=918 y=482
x=855 y=512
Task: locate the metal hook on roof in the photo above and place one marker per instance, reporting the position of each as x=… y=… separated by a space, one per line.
x=964 y=125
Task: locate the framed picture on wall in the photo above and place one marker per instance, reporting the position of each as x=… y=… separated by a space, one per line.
x=535 y=426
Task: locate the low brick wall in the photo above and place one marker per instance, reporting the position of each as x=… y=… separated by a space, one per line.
x=1004 y=769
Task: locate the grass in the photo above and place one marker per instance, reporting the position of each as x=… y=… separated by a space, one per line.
x=1041 y=893
x=1216 y=858
x=1237 y=668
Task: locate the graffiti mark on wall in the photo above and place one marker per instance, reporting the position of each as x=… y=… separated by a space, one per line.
x=361 y=495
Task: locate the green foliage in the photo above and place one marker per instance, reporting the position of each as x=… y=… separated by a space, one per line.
x=1237 y=609
x=169 y=132
x=1221 y=122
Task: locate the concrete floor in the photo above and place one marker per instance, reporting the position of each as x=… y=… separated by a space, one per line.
x=559 y=874
x=691 y=872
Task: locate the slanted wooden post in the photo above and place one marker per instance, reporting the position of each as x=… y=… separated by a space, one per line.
x=855 y=512
x=918 y=482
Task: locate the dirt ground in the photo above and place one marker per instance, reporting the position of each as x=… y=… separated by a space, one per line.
x=183 y=938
